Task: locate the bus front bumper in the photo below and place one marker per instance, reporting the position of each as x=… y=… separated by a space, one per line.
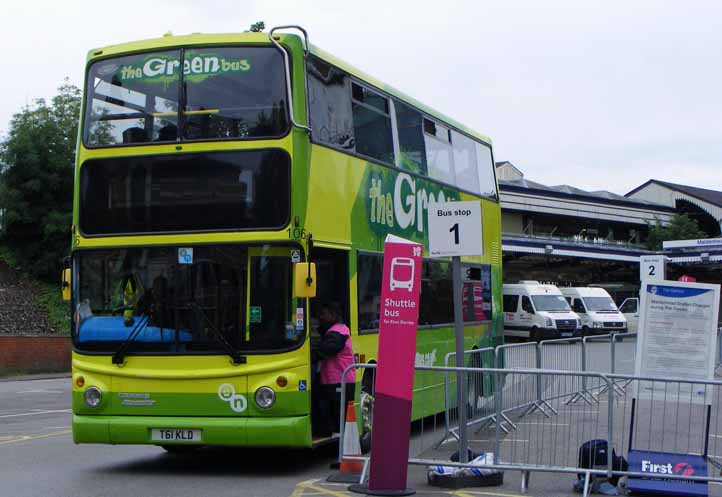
x=239 y=432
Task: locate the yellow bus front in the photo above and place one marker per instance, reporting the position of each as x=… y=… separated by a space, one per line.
x=185 y=325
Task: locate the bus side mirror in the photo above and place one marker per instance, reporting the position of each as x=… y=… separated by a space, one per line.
x=65 y=284
x=304 y=280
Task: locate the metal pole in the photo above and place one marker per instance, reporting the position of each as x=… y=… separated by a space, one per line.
x=460 y=383
x=610 y=425
x=538 y=351
x=706 y=429
x=631 y=424
x=342 y=424
x=584 y=365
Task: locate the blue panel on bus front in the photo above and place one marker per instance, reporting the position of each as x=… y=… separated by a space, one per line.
x=113 y=329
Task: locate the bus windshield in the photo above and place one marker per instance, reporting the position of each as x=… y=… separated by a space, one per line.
x=550 y=303
x=599 y=304
x=220 y=92
x=186 y=299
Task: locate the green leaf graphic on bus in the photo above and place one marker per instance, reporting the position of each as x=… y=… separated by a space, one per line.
x=197 y=67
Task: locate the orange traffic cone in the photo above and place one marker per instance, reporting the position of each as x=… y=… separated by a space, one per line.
x=351 y=446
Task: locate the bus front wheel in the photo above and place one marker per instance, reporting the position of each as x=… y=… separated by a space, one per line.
x=474 y=387
x=366 y=409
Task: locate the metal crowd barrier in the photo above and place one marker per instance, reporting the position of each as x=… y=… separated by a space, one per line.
x=644 y=413
x=478 y=389
x=597 y=353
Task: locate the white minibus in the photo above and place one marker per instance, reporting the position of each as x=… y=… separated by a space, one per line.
x=597 y=310
x=538 y=312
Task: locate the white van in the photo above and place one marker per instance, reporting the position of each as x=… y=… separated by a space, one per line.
x=538 y=312
x=630 y=310
x=597 y=310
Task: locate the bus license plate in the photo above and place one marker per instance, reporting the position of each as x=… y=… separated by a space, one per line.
x=175 y=435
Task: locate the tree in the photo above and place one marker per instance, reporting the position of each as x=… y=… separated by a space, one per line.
x=257 y=27
x=680 y=227
x=36 y=182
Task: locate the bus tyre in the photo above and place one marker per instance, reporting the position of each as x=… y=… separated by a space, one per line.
x=534 y=335
x=366 y=404
x=474 y=387
x=585 y=331
x=366 y=410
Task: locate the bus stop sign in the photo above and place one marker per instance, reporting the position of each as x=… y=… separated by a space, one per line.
x=455 y=229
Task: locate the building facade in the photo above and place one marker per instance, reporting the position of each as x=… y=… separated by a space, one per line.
x=572 y=237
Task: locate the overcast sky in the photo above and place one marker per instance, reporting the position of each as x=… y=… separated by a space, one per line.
x=599 y=95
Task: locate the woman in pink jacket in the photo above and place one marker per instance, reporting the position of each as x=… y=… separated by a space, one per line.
x=335 y=354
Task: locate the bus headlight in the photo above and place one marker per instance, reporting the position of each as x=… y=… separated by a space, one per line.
x=265 y=397
x=549 y=323
x=93 y=397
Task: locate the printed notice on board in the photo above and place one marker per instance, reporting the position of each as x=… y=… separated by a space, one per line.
x=677 y=333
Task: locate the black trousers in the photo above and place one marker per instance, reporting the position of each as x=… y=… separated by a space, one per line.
x=329 y=407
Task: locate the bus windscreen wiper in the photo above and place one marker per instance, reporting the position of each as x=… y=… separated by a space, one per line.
x=119 y=356
x=235 y=355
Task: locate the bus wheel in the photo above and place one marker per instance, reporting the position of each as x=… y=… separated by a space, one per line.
x=366 y=409
x=585 y=331
x=474 y=387
x=534 y=335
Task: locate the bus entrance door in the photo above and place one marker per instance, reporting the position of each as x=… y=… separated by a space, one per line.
x=332 y=287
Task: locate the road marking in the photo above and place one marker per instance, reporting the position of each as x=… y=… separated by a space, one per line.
x=316 y=490
x=302 y=490
x=23 y=438
x=34 y=412
x=471 y=493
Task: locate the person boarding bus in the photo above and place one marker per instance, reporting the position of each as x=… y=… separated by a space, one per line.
x=335 y=354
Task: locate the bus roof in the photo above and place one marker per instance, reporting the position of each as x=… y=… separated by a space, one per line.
x=169 y=41
x=394 y=92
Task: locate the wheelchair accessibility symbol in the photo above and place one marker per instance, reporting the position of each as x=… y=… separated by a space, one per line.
x=185 y=256
x=227 y=393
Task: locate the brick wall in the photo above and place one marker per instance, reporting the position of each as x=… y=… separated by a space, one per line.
x=34 y=354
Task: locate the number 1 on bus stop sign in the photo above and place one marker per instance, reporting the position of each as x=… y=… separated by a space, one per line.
x=455 y=229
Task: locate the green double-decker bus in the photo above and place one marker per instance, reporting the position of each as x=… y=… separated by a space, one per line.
x=210 y=168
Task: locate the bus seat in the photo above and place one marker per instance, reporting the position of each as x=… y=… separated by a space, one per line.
x=134 y=135
x=168 y=133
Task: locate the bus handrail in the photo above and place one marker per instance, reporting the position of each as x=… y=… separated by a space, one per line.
x=288 y=69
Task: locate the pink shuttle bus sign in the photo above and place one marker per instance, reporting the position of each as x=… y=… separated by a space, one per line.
x=398 y=321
